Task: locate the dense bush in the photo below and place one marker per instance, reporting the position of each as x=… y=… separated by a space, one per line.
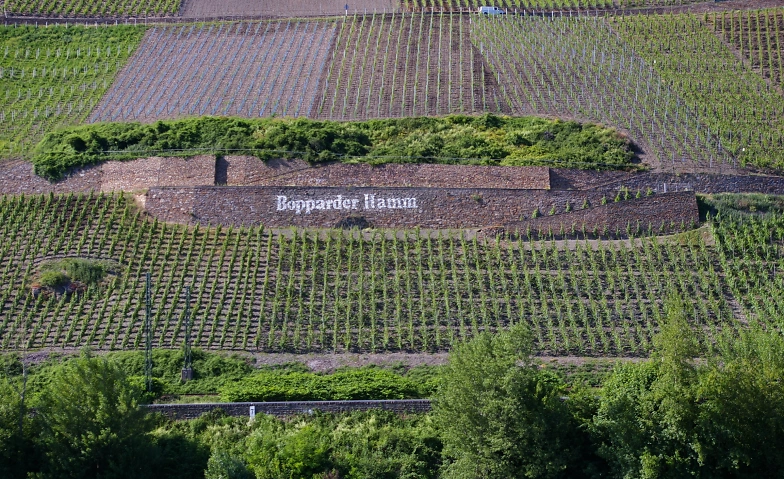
x=365 y=383
x=486 y=139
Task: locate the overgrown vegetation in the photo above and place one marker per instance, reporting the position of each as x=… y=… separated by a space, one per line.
x=685 y=412
x=485 y=139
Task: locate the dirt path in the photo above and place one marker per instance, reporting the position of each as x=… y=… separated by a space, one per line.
x=291 y=8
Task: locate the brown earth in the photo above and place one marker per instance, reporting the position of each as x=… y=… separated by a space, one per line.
x=241 y=69
x=407 y=65
x=291 y=8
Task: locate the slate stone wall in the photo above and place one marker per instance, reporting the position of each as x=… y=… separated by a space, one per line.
x=565 y=179
x=662 y=213
x=250 y=171
x=436 y=208
x=285 y=409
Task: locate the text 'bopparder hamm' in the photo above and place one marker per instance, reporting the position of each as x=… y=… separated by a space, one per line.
x=339 y=202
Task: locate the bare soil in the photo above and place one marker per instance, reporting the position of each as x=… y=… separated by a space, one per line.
x=241 y=69
x=291 y=8
x=406 y=65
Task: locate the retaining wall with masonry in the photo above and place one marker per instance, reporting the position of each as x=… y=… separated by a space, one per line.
x=285 y=409
x=438 y=208
x=249 y=171
x=17 y=177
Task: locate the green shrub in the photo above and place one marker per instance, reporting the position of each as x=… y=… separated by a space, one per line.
x=486 y=139
x=53 y=279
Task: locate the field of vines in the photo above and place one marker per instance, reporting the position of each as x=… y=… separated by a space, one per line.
x=406 y=65
x=579 y=68
x=518 y=6
x=92 y=8
x=239 y=69
x=741 y=109
x=758 y=36
x=52 y=77
x=336 y=291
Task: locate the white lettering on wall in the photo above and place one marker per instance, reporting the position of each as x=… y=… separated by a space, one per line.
x=339 y=202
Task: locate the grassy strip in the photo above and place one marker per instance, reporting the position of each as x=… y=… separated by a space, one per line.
x=486 y=140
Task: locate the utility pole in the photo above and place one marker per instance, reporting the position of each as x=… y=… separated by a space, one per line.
x=187 y=369
x=148 y=332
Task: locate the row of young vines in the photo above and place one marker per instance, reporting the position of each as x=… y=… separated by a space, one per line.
x=253 y=289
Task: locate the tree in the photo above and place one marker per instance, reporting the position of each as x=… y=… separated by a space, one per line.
x=645 y=425
x=740 y=399
x=91 y=424
x=500 y=415
x=17 y=453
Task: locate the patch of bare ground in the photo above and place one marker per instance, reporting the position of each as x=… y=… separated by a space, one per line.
x=238 y=69
x=291 y=8
x=406 y=65
x=326 y=363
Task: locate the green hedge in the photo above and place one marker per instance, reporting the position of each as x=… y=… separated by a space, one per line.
x=486 y=139
x=343 y=385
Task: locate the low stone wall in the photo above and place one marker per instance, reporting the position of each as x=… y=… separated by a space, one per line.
x=663 y=213
x=565 y=179
x=285 y=409
x=17 y=177
x=157 y=171
x=250 y=171
x=437 y=208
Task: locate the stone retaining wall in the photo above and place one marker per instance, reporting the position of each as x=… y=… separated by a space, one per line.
x=663 y=213
x=437 y=208
x=440 y=208
x=250 y=171
x=284 y=409
x=565 y=179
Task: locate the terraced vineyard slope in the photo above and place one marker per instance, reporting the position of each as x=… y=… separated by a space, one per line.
x=52 y=77
x=579 y=68
x=239 y=69
x=536 y=5
x=758 y=37
x=299 y=292
x=406 y=65
x=742 y=110
x=92 y=8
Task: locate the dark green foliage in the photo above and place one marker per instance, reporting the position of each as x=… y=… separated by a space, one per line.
x=356 y=446
x=487 y=139
x=66 y=270
x=210 y=370
x=53 y=279
x=17 y=452
x=675 y=417
x=501 y=416
x=365 y=383
x=91 y=425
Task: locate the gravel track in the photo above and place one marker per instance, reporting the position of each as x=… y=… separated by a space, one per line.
x=291 y=8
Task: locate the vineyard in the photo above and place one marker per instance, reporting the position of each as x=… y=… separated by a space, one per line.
x=336 y=291
x=92 y=8
x=52 y=77
x=519 y=6
x=758 y=36
x=579 y=68
x=242 y=69
x=705 y=97
x=406 y=65
x=743 y=112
